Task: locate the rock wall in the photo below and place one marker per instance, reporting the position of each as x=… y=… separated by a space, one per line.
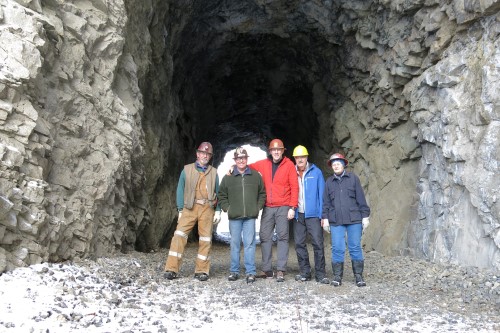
x=427 y=134
x=101 y=104
x=70 y=132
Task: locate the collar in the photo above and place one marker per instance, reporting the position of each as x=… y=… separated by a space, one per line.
x=305 y=169
x=200 y=167
x=246 y=172
x=277 y=163
x=339 y=176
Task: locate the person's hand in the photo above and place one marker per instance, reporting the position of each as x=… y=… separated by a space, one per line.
x=291 y=214
x=216 y=217
x=365 y=222
x=326 y=225
x=230 y=171
x=179 y=217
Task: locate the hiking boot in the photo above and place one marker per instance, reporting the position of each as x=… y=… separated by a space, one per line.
x=250 y=278
x=280 y=277
x=323 y=280
x=201 y=276
x=169 y=275
x=303 y=277
x=266 y=275
x=233 y=277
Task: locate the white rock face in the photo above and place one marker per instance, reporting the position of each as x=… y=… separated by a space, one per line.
x=94 y=126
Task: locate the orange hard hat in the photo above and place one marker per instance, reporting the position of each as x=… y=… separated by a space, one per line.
x=337 y=156
x=276 y=143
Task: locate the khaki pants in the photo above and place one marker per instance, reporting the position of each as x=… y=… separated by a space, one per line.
x=204 y=215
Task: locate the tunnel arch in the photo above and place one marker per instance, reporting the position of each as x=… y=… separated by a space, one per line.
x=231 y=87
x=248 y=72
x=249 y=80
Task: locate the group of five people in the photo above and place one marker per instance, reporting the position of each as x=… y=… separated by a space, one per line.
x=285 y=191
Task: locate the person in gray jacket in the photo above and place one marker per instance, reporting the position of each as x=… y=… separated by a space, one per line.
x=242 y=195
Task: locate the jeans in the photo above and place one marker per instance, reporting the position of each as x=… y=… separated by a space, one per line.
x=243 y=229
x=354 y=232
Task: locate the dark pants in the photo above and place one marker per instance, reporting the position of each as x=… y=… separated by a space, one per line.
x=301 y=228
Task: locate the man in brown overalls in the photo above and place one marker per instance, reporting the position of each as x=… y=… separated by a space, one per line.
x=196 y=202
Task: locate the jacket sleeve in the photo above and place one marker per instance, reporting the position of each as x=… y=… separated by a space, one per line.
x=180 y=191
x=222 y=195
x=262 y=193
x=360 y=199
x=321 y=190
x=253 y=166
x=217 y=207
x=327 y=204
x=294 y=186
x=257 y=166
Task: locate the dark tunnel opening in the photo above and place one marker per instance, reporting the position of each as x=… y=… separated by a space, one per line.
x=232 y=88
x=250 y=89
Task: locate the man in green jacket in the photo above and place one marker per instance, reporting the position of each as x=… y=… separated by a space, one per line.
x=242 y=194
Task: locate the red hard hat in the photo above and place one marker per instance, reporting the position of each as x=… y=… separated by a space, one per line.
x=276 y=143
x=337 y=156
x=206 y=147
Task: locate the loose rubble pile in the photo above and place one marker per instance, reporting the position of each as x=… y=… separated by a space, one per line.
x=127 y=293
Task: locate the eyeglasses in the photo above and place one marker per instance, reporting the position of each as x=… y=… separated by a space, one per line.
x=240 y=159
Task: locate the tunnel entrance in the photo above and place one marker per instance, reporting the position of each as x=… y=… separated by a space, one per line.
x=231 y=78
x=331 y=76
x=235 y=86
x=220 y=82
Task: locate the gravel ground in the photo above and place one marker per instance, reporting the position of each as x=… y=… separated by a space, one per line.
x=127 y=293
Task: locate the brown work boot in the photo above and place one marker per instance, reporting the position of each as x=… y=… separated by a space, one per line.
x=266 y=275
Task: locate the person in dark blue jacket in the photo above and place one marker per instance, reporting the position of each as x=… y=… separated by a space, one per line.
x=308 y=217
x=345 y=211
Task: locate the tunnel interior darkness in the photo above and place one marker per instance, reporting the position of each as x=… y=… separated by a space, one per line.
x=251 y=88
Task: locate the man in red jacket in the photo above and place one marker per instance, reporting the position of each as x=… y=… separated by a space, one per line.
x=282 y=189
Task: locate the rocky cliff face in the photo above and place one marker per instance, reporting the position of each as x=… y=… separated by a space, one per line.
x=102 y=102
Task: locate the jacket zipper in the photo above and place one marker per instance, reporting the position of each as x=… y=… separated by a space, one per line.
x=243 y=186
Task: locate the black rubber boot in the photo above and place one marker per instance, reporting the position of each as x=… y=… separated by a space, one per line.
x=338 y=272
x=357 y=269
